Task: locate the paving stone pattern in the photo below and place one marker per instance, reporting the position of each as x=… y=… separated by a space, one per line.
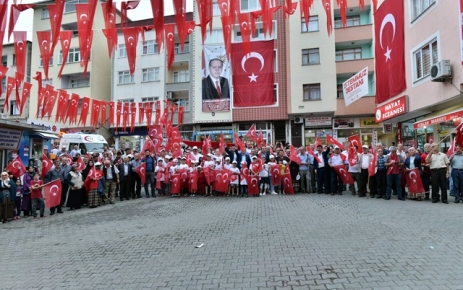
x=307 y=241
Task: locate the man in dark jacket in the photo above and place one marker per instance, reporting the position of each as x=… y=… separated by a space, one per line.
x=321 y=169
x=125 y=170
x=235 y=155
x=54 y=174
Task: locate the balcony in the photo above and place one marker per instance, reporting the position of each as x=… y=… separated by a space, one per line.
x=353 y=33
x=349 y=67
x=355 y=3
x=363 y=106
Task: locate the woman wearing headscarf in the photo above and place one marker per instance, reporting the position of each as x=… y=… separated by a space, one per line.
x=7 y=192
x=75 y=192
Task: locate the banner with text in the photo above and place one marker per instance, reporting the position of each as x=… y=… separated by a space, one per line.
x=355 y=87
x=10 y=138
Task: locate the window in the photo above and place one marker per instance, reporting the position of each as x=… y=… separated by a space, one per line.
x=150 y=74
x=4 y=84
x=258 y=33
x=249 y=5
x=14 y=60
x=216 y=36
x=127 y=101
x=215 y=9
x=425 y=58
x=275 y=61
x=420 y=6
x=348 y=54
x=178 y=49
x=340 y=92
x=79 y=83
x=73 y=55
x=125 y=78
x=149 y=47
x=310 y=56
x=5 y=60
x=311 y=92
x=45 y=14
x=69 y=6
x=181 y=76
x=313 y=24
x=353 y=20
x=150 y=99
x=47 y=82
x=122 y=50
x=275 y=93
x=14 y=111
x=50 y=63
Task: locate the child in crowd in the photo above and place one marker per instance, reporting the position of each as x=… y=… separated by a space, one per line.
x=17 y=199
x=160 y=174
x=234 y=179
x=243 y=181
x=37 y=196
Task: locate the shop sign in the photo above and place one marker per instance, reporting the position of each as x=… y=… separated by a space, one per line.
x=375 y=137
x=10 y=138
x=46 y=126
x=438 y=120
x=343 y=123
x=355 y=87
x=391 y=109
x=317 y=121
x=368 y=122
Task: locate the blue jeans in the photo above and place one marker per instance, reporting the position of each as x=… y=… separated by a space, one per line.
x=393 y=179
x=150 y=179
x=457 y=177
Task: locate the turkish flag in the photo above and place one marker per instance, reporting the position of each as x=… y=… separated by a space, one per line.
x=44 y=42
x=95 y=112
x=260 y=140
x=20 y=50
x=414 y=183
x=227 y=33
x=352 y=156
x=125 y=116
x=148 y=145
x=342 y=11
x=287 y=183
x=65 y=37
x=15 y=10
x=47 y=165
x=175 y=184
x=53 y=97
x=84 y=111
x=72 y=109
x=80 y=164
x=16 y=167
x=52 y=192
x=343 y=174
x=157 y=8
x=133 y=115
x=451 y=148
x=331 y=140
x=169 y=30
x=459 y=136
x=62 y=105
x=141 y=171
x=193 y=184
x=244 y=170
x=355 y=141
x=253 y=74
x=155 y=132
x=275 y=171
x=55 y=12
x=3 y=71
x=310 y=151
x=206 y=145
x=389 y=50
x=149 y=113
x=103 y=113
x=205 y=14
x=329 y=19
x=375 y=6
x=141 y=113
x=222 y=180
x=110 y=31
x=372 y=165
x=118 y=114
x=252 y=134
x=362 y=4
x=131 y=40
x=127 y=5
x=305 y=10
x=290 y=8
x=25 y=93
x=253 y=184
x=293 y=155
x=180 y=19
x=239 y=143
x=245 y=29
x=183 y=173
x=181 y=111
x=209 y=174
x=318 y=142
x=11 y=83
x=221 y=144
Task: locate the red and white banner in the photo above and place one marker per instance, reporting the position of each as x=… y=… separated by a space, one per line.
x=414 y=183
x=391 y=109
x=355 y=87
x=343 y=174
x=52 y=192
x=389 y=50
x=253 y=74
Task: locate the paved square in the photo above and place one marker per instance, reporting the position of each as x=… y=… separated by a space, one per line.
x=305 y=241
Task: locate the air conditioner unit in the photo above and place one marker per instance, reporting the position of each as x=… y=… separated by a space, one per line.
x=169 y=95
x=298 y=120
x=441 y=71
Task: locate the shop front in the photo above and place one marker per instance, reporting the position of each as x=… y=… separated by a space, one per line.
x=39 y=141
x=317 y=127
x=368 y=130
x=265 y=127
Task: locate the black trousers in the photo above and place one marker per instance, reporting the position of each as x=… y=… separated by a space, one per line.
x=362 y=182
x=381 y=182
x=439 y=180
x=322 y=180
x=125 y=188
x=135 y=185
x=426 y=177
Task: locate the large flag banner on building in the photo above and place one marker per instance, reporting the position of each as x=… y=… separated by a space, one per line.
x=253 y=78
x=216 y=75
x=389 y=50
x=355 y=87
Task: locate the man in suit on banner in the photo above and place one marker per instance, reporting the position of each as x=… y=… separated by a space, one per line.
x=214 y=86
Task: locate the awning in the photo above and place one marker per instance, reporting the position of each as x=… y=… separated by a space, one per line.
x=438 y=119
x=45 y=135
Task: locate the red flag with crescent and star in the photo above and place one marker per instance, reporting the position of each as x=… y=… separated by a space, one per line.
x=16 y=167
x=157 y=8
x=47 y=165
x=3 y=71
x=20 y=50
x=131 y=40
x=329 y=17
x=389 y=50
x=169 y=30
x=205 y=14
x=141 y=171
x=44 y=42
x=355 y=141
x=341 y=171
x=352 y=156
x=293 y=155
x=343 y=10
x=253 y=74
x=65 y=40
x=289 y=8
x=245 y=29
x=118 y=114
x=253 y=184
x=84 y=111
x=331 y=140
x=239 y=143
x=72 y=109
x=25 y=93
x=55 y=11
x=414 y=183
x=287 y=183
x=275 y=171
x=372 y=166
x=52 y=192
x=459 y=136
x=127 y=5
x=11 y=83
x=252 y=133
x=451 y=148
x=110 y=31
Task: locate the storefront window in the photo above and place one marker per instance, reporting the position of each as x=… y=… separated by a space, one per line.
x=132 y=142
x=311 y=135
x=37 y=148
x=424 y=135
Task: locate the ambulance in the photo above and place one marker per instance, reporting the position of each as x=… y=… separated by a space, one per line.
x=88 y=143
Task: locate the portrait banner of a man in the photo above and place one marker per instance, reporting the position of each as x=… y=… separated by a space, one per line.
x=215 y=83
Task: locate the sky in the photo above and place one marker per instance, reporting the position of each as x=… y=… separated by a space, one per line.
x=143 y=11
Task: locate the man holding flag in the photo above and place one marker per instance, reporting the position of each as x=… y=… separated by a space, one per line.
x=336 y=159
x=322 y=169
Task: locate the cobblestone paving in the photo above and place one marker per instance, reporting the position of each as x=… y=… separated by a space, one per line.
x=305 y=241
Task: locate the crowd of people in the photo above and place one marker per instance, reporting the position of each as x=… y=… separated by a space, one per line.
x=115 y=174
